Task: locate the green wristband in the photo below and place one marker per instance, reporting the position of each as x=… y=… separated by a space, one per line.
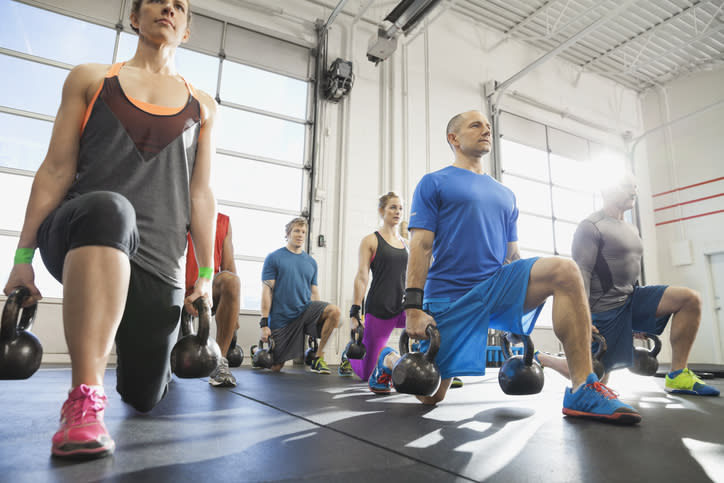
x=206 y=272
x=24 y=255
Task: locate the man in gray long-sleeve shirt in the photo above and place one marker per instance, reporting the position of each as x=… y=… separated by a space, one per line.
x=608 y=251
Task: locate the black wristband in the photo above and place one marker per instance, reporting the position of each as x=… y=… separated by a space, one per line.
x=264 y=322
x=354 y=311
x=413 y=298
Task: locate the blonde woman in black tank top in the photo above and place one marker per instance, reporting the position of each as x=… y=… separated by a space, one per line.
x=384 y=253
x=89 y=202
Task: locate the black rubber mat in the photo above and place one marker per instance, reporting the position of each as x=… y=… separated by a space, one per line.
x=301 y=426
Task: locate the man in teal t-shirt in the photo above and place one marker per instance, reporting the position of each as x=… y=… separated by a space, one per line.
x=290 y=305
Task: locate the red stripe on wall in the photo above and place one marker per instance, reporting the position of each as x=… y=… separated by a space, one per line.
x=689 y=202
x=689 y=217
x=687 y=187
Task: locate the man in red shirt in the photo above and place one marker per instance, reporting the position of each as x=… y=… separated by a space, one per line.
x=226 y=294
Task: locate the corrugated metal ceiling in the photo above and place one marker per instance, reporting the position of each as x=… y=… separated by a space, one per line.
x=643 y=44
x=638 y=43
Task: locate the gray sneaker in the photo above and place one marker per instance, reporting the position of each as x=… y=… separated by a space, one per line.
x=222 y=376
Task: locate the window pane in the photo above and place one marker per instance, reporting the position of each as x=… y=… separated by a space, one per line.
x=572 y=205
x=14 y=194
x=564 y=237
x=250 y=275
x=45 y=34
x=264 y=90
x=531 y=196
x=48 y=286
x=257 y=135
x=520 y=159
x=571 y=173
x=535 y=233
x=247 y=181
x=200 y=70
x=545 y=318
x=126 y=46
x=256 y=233
x=23 y=141
x=32 y=87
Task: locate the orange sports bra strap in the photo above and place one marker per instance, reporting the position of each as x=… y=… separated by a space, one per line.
x=112 y=72
x=115 y=69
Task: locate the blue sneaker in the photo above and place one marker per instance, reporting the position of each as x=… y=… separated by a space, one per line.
x=380 y=381
x=593 y=400
x=686 y=382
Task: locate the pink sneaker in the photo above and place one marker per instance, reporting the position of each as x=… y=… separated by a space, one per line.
x=82 y=433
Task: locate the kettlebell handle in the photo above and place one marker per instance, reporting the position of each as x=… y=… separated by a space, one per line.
x=432 y=334
x=204 y=319
x=270 y=343
x=528 y=347
x=602 y=347
x=10 y=325
x=357 y=334
x=187 y=326
x=654 y=351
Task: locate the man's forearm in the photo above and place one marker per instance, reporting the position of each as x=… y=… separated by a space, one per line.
x=266 y=300
x=419 y=263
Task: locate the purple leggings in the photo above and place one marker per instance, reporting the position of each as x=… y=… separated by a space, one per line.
x=377 y=332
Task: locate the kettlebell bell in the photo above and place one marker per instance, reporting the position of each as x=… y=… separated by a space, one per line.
x=195 y=355
x=416 y=372
x=20 y=350
x=235 y=354
x=262 y=357
x=356 y=348
x=520 y=375
x=311 y=352
x=644 y=359
x=598 y=367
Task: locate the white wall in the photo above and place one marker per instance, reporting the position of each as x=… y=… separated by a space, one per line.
x=688 y=153
x=390 y=131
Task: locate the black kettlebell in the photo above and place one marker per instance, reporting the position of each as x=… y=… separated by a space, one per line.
x=195 y=355
x=20 y=349
x=262 y=357
x=356 y=348
x=235 y=355
x=416 y=372
x=520 y=375
x=644 y=359
x=311 y=352
x=598 y=367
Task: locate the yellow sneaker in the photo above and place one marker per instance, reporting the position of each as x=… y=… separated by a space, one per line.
x=686 y=382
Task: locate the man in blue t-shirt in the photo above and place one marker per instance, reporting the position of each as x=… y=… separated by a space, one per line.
x=290 y=305
x=465 y=221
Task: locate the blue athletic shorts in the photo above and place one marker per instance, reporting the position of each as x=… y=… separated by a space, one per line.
x=637 y=314
x=496 y=303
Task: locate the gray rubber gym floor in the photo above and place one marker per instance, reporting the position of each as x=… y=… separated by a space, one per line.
x=301 y=426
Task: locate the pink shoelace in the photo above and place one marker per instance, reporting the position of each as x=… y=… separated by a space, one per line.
x=85 y=408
